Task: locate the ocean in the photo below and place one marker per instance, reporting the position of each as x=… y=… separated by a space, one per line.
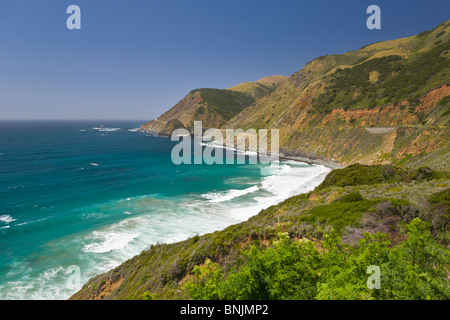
x=92 y=194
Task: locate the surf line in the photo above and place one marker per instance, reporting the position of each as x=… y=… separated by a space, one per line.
x=255 y=142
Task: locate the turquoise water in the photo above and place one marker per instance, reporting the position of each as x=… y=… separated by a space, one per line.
x=76 y=194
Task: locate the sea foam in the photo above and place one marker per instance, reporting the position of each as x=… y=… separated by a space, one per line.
x=6 y=218
x=158 y=219
x=111 y=238
x=107 y=129
x=228 y=195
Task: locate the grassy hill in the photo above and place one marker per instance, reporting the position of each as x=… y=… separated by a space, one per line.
x=260 y=88
x=214 y=107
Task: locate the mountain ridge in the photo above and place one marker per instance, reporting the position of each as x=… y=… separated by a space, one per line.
x=399 y=83
x=396 y=83
x=214 y=107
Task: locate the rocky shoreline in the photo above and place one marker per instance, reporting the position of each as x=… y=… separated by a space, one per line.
x=308 y=158
x=285 y=154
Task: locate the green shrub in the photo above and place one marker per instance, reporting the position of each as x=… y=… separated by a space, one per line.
x=358 y=174
x=442 y=197
x=351 y=197
x=226 y=103
x=339 y=214
x=398 y=79
x=414 y=269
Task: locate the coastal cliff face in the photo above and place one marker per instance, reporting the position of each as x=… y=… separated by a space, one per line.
x=384 y=103
x=214 y=107
x=383 y=111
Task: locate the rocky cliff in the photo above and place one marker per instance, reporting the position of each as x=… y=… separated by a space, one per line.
x=214 y=107
x=384 y=103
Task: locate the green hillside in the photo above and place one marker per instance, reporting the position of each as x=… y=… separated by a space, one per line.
x=226 y=103
x=214 y=107
x=394 y=79
x=260 y=88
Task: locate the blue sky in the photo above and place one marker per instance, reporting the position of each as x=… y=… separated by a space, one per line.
x=135 y=59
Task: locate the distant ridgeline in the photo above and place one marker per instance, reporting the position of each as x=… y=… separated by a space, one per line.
x=399 y=89
x=214 y=107
x=382 y=111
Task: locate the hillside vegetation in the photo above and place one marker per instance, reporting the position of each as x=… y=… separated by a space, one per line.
x=314 y=245
x=316 y=240
x=260 y=88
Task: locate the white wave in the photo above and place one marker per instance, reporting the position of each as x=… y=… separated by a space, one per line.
x=126 y=200
x=33 y=221
x=241 y=181
x=18 y=267
x=218 y=145
x=107 y=129
x=109 y=242
x=290 y=180
x=50 y=274
x=158 y=219
x=94 y=164
x=134 y=130
x=44 y=285
x=215 y=144
x=93 y=215
x=17 y=290
x=285 y=181
x=111 y=238
x=6 y=218
x=229 y=195
x=82 y=130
